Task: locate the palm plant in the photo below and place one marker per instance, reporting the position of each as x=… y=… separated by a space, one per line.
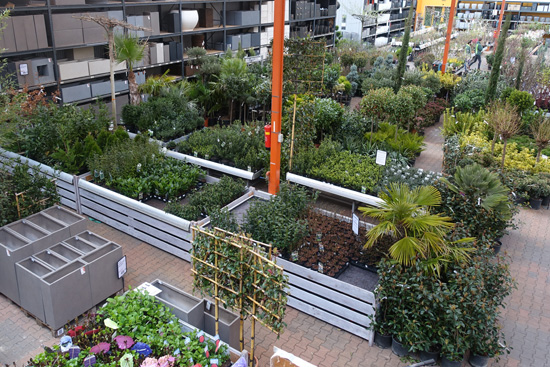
x=130 y=49
x=234 y=81
x=541 y=133
x=478 y=183
x=156 y=83
x=419 y=235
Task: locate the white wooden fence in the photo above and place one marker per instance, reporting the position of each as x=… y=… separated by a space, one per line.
x=333 y=301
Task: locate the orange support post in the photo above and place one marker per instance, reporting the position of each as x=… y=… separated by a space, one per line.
x=448 y=39
x=497 y=32
x=277 y=96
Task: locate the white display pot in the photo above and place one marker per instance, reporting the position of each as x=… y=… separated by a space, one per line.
x=189 y=19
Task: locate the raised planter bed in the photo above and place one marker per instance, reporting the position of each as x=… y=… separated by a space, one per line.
x=331 y=300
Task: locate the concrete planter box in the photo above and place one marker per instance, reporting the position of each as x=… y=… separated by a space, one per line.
x=29 y=274
x=66 y=251
x=75 y=222
x=37 y=236
x=58 y=230
x=228 y=324
x=102 y=264
x=66 y=294
x=51 y=259
x=183 y=305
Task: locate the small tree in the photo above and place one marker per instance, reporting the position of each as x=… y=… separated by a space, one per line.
x=499 y=54
x=130 y=49
x=505 y=121
x=376 y=105
x=541 y=133
x=525 y=43
x=402 y=65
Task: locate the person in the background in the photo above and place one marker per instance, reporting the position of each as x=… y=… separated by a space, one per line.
x=467 y=55
x=477 y=56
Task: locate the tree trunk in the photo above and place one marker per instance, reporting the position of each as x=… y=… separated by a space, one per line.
x=133 y=87
x=111 y=37
x=504 y=152
x=231 y=111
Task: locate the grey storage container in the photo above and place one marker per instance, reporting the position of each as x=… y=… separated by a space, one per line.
x=183 y=305
x=13 y=248
x=100 y=88
x=228 y=324
x=121 y=85
x=66 y=251
x=243 y=17
x=29 y=274
x=66 y=294
x=102 y=265
x=58 y=230
x=245 y=40
x=76 y=93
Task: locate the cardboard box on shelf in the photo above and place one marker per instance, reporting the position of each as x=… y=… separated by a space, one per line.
x=40 y=30
x=98 y=66
x=76 y=93
x=101 y=88
x=83 y=53
x=73 y=69
x=19 y=31
x=8 y=36
x=156 y=52
x=66 y=21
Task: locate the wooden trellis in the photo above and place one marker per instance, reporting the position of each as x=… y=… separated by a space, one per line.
x=238 y=271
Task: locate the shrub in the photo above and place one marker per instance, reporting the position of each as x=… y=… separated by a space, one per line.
x=472 y=100
x=407 y=144
x=523 y=101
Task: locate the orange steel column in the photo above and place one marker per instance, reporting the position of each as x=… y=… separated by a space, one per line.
x=497 y=33
x=277 y=96
x=448 y=39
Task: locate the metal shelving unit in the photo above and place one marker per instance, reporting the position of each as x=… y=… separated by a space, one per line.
x=215 y=37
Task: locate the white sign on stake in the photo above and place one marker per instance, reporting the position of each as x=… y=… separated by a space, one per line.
x=381 y=157
x=355 y=224
x=121 y=267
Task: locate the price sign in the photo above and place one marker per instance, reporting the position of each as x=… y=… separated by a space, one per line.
x=121 y=266
x=355 y=224
x=381 y=157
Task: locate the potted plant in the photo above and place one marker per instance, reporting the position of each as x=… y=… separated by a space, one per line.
x=382 y=335
x=485 y=344
x=536 y=191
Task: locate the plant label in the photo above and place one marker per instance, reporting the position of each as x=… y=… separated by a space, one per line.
x=320 y=268
x=208 y=305
x=121 y=267
x=321 y=247
x=206 y=156
x=249 y=169
x=214 y=362
x=196 y=154
x=23 y=69
x=60 y=332
x=294 y=256
x=319 y=237
x=381 y=157
x=8 y=252
x=187 y=340
x=83 y=270
x=355 y=224
x=206 y=352
x=140 y=196
x=363 y=190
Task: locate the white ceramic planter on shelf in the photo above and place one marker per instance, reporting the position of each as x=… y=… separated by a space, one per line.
x=189 y=19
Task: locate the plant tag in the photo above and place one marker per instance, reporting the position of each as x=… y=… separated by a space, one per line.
x=200 y=335
x=60 y=332
x=214 y=362
x=319 y=236
x=187 y=340
x=478 y=201
x=208 y=305
x=249 y=169
x=294 y=256
x=355 y=224
x=8 y=252
x=89 y=361
x=196 y=154
x=321 y=247
x=363 y=190
x=206 y=352
x=206 y=156
x=320 y=268
x=218 y=343
x=83 y=270
x=140 y=196
x=381 y=157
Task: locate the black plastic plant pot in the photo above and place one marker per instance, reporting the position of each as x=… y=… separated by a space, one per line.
x=545 y=201
x=448 y=363
x=496 y=246
x=478 y=361
x=426 y=356
x=383 y=341
x=398 y=348
x=535 y=203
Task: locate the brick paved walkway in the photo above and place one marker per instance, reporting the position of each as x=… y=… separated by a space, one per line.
x=432 y=158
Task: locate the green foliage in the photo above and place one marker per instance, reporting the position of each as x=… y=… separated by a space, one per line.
x=280 y=221
x=418 y=235
x=376 y=104
x=477 y=198
x=136 y=168
x=328 y=116
x=210 y=198
x=167 y=116
x=463 y=123
x=38 y=192
x=412 y=177
x=402 y=64
x=353 y=77
x=303 y=65
x=129 y=48
x=240 y=144
x=407 y=144
x=523 y=101
x=472 y=100
x=491 y=92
